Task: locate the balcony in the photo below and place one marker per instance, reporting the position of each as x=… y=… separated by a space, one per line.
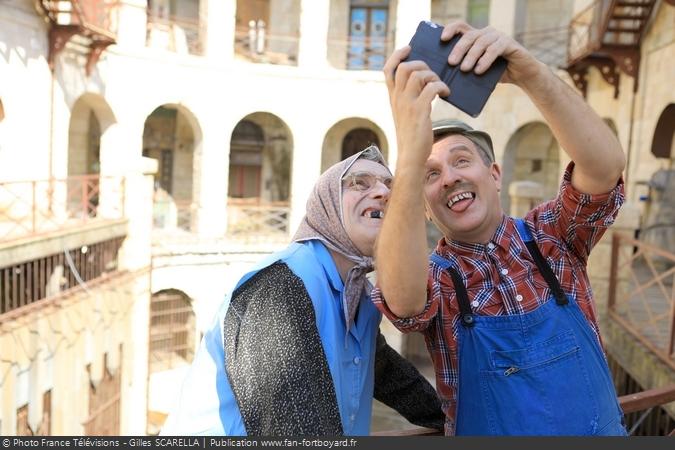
x=182 y=35
x=56 y=235
x=547 y=45
x=89 y=24
x=35 y=208
x=252 y=220
x=607 y=35
x=642 y=295
x=255 y=44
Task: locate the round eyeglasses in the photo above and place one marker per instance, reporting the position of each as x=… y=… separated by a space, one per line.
x=365 y=181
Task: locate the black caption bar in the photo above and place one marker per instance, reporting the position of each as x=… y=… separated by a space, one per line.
x=362 y=443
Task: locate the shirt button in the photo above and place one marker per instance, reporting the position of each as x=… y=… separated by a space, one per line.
x=352 y=417
x=505 y=271
x=491 y=245
x=474 y=304
x=519 y=298
x=357 y=360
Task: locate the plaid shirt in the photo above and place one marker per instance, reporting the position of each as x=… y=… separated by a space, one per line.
x=501 y=276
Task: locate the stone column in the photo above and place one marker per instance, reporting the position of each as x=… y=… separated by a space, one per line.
x=305 y=169
x=218 y=18
x=313 y=45
x=524 y=196
x=408 y=16
x=503 y=15
x=132 y=22
x=212 y=190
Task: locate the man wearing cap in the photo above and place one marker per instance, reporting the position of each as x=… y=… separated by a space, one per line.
x=505 y=304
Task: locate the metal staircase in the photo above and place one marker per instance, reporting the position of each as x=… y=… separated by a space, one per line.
x=608 y=35
x=88 y=20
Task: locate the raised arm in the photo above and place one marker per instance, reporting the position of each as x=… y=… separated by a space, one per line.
x=582 y=134
x=401 y=249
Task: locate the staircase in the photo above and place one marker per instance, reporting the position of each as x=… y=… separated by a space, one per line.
x=608 y=35
x=90 y=20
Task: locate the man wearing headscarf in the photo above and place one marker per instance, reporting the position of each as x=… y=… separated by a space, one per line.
x=296 y=349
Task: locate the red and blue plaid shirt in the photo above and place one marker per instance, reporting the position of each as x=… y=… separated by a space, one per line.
x=501 y=276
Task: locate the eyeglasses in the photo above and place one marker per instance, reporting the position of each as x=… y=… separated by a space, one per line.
x=365 y=181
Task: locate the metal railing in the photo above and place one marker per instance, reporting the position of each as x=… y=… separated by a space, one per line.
x=172 y=331
x=30 y=208
x=98 y=16
x=255 y=219
x=642 y=294
x=256 y=45
x=548 y=45
x=587 y=29
x=176 y=34
x=26 y=284
x=170 y=214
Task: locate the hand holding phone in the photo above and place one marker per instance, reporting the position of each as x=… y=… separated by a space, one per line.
x=468 y=91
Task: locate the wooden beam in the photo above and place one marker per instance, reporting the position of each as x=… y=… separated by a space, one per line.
x=647 y=399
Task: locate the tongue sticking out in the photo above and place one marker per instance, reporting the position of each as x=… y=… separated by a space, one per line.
x=461 y=205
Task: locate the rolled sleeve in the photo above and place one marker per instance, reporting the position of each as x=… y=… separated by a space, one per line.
x=419 y=322
x=579 y=219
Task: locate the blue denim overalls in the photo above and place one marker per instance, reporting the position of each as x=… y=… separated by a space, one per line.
x=539 y=373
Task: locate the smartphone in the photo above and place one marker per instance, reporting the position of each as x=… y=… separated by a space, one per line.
x=468 y=91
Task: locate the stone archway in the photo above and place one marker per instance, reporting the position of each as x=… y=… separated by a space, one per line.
x=172 y=136
x=532 y=155
x=348 y=136
x=259 y=180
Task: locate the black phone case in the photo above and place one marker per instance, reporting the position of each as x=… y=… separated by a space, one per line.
x=468 y=91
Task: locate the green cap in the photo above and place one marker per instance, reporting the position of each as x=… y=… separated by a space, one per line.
x=453 y=126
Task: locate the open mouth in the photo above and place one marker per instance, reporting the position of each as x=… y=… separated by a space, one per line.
x=373 y=213
x=459 y=202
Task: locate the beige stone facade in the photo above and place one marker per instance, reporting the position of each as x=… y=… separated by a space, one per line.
x=236 y=120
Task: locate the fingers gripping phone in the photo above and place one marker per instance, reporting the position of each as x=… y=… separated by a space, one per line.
x=468 y=91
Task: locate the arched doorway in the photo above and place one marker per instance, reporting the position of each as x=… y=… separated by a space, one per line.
x=90 y=119
x=259 y=181
x=358 y=139
x=658 y=224
x=172 y=136
x=349 y=136
x=172 y=330
x=532 y=155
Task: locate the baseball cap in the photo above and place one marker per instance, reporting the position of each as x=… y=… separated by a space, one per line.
x=455 y=126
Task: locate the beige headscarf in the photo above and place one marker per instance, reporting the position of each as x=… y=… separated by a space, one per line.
x=323 y=221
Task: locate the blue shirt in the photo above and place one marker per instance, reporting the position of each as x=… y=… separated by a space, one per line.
x=206 y=404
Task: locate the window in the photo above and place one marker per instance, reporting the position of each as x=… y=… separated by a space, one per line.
x=104 y=402
x=172 y=330
x=367 y=34
x=44 y=428
x=478 y=13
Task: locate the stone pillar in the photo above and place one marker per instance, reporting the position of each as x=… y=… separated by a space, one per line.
x=218 y=17
x=525 y=195
x=503 y=16
x=212 y=189
x=408 y=16
x=132 y=23
x=305 y=170
x=313 y=45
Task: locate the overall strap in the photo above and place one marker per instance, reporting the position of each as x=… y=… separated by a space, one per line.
x=542 y=264
x=462 y=296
